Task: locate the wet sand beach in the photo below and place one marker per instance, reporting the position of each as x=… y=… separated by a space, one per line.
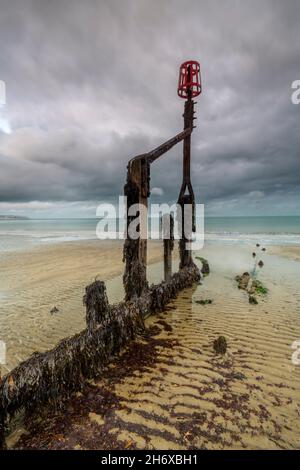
x=292 y=252
x=169 y=390
x=33 y=282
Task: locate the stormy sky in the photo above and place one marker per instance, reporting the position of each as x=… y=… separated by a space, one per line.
x=91 y=84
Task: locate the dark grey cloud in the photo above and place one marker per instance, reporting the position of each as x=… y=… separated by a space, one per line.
x=91 y=84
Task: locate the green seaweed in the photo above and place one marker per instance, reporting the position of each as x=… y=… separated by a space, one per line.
x=204 y=302
x=260 y=288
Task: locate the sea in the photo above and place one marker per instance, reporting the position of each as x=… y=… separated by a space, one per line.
x=270 y=230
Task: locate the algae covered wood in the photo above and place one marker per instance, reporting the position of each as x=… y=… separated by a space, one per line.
x=52 y=376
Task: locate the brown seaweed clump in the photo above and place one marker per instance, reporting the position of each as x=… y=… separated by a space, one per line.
x=220 y=345
x=243 y=281
x=252 y=300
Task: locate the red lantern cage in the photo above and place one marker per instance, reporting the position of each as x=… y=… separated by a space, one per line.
x=189 y=83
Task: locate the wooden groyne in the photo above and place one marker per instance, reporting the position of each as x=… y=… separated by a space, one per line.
x=48 y=378
x=52 y=376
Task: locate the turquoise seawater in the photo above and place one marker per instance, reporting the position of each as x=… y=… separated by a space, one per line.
x=20 y=234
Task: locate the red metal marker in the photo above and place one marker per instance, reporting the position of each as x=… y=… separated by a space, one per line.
x=189 y=83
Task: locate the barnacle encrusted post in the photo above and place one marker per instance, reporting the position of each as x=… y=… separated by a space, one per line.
x=136 y=192
x=97 y=306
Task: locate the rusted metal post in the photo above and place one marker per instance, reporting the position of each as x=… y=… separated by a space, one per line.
x=168 y=237
x=186 y=198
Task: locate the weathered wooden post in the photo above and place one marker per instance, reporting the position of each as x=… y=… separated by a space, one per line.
x=136 y=191
x=189 y=86
x=97 y=306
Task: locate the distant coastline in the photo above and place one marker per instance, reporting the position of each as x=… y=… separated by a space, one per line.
x=13 y=217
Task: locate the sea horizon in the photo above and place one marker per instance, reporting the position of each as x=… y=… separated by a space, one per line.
x=16 y=217
x=19 y=234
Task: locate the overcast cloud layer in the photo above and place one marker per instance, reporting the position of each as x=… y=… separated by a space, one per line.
x=91 y=84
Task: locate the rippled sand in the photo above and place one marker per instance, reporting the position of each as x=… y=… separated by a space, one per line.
x=170 y=391
x=292 y=252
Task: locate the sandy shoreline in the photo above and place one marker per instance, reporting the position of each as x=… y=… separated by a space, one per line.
x=33 y=281
x=292 y=252
x=169 y=391
x=91 y=257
